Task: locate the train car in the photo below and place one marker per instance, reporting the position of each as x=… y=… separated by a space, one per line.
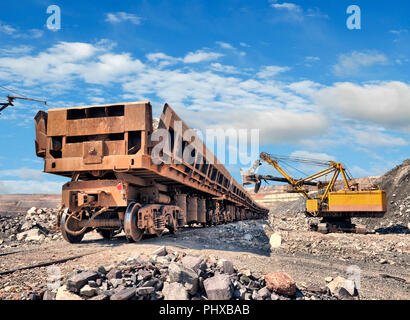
x=126 y=176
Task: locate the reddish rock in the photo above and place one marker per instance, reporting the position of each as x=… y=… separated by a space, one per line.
x=281 y=282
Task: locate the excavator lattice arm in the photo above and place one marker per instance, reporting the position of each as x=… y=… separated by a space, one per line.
x=334 y=167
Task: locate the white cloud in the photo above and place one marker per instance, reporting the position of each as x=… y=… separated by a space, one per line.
x=353 y=62
x=372 y=137
x=23 y=173
x=310 y=59
x=287 y=6
x=312 y=155
x=14 y=51
x=384 y=103
x=271 y=71
x=225 y=45
x=66 y=61
x=118 y=17
x=29 y=186
x=305 y=88
x=213 y=94
x=16 y=33
x=7 y=29
x=200 y=56
x=243 y=44
x=223 y=68
x=398 y=32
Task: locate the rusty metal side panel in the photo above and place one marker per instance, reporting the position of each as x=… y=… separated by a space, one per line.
x=93 y=126
x=138 y=117
x=57 y=122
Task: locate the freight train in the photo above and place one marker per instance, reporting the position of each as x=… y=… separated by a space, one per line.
x=127 y=177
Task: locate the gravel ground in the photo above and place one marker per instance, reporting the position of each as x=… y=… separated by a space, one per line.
x=308 y=257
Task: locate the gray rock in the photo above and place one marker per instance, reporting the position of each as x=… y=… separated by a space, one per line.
x=227 y=267
x=88 y=291
x=340 y=282
x=76 y=282
x=218 y=287
x=124 y=294
x=64 y=294
x=99 y=297
x=188 y=277
x=274 y=296
x=191 y=262
x=264 y=292
x=116 y=282
x=102 y=270
x=143 y=291
x=144 y=275
x=114 y=274
x=342 y=294
x=160 y=252
x=174 y=291
x=49 y=295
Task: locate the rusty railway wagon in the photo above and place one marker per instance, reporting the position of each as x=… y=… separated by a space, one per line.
x=115 y=184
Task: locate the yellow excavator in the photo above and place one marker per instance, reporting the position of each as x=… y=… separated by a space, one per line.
x=335 y=207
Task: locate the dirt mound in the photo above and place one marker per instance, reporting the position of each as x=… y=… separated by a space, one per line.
x=396 y=183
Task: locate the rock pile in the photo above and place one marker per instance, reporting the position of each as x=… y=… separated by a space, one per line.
x=174 y=275
x=396 y=183
x=38 y=225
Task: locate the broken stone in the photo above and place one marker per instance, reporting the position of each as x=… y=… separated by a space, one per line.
x=64 y=294
x=245 y=272
x=160 y=252
x=99 y=297
x=218 y=287
x=227 y=267
x=115 y=282
x=275 y=241
x=328 y=279
x=281 y=282
x=31 y=210
x=274 y=296
x=144 y=275
x=76 y=282
x=342 y=294
x=88 y=291
x=264 y=293
x=101 y=270
x=162 y=260
x=340 y=282
x=181 y=274
x=124 y=294
x=142 y=291
x=114 y=274
x=49 y=295
x=191 y=262
x=174 y=291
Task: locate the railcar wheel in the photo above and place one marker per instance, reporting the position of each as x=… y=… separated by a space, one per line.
x=132 y=232
x=72 y=225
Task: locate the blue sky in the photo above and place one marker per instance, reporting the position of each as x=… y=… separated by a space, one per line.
x=292 y=69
